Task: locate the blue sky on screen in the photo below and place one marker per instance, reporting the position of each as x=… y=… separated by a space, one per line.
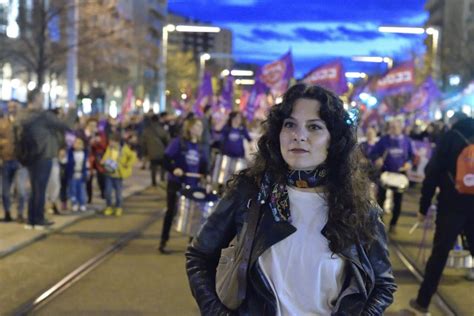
x=316 y=31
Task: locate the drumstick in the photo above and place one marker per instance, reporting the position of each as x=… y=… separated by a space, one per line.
x=193 y=175
x=415 y=226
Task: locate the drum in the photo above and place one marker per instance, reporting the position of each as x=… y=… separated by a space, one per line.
x=224 y=167
x=394 y=181
x=194 y=206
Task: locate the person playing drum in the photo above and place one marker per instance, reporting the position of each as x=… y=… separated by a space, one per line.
x=393 y=153
x=233 y=135
x=319 y=246
x=187 y=164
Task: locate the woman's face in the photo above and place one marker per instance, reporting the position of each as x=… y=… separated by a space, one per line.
x=196 y=130
x=304 y=138
x=236 y=121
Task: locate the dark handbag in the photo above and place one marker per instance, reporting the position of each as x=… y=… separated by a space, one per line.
x=231 y=274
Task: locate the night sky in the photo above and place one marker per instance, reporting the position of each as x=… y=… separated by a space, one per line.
x=316 y=31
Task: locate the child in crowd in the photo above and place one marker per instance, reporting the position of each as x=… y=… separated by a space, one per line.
x=76 y=173
x=118 y=162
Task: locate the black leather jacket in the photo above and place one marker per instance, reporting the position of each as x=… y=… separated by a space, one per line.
x=367 y=289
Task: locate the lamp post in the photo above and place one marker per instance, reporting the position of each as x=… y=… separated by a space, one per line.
x=164 y=54
x=432 y=31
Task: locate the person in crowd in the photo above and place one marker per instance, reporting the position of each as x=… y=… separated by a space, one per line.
x=38 y=134
x=319 y=247
x=63 y=191
x=207 y=131
x=11 y=167
x=233 y=135
x=393 y=153
x=53 y=190
x=454 y=207
x=370 y=140
x=154 y=141
x=118 y=162
x=185 y=160
x=367 y=164
x=76 y=172
x=97 y=146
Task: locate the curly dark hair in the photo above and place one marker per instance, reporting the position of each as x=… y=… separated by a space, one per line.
x=349 y=219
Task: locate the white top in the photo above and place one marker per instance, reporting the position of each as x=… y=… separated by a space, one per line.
x=304 y=275
x=78 y=162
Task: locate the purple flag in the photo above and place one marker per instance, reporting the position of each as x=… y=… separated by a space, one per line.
x=420 y=100
x=277 y=74
x=330 y=76
x=204 y=95
x=398 y=80
x=254 y=97
x=227 y=95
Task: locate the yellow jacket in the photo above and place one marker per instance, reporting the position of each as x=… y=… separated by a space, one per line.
x=125 y=158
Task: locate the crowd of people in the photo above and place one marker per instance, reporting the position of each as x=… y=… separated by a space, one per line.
x=308 y=155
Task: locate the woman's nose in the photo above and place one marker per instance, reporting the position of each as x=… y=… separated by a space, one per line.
x=300 y=135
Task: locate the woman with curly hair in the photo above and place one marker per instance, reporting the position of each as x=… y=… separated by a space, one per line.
x=319 y=247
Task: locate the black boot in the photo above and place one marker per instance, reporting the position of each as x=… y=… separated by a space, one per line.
x=7 y=217
x=162 y=248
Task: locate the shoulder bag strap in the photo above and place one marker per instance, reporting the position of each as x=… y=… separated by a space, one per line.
x=253 y=216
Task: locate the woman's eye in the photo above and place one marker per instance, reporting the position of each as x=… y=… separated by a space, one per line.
x=314 y=127
x=288 y=124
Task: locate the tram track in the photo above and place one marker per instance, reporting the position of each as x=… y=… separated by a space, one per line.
x=50 y=293
x=438 y=298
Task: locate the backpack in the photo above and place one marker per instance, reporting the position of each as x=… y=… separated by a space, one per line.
x=464 y=180
x=27 y=150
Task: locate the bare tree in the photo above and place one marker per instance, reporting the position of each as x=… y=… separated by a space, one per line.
x=41 y=48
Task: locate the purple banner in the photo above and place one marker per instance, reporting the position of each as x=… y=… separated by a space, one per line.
x=226 y=99
x=398 y=80
x=422 y=98
x=254 y=97
x=204 y=95
x=330 y=76
x=277 y=75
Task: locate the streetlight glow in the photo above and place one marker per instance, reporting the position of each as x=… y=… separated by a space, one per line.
x=246 y=82
x=241 y=73
x=368 y=59
x=206 y=56
x=356 y=75
x=401 y=29
x=225 y=73
x=198 y=28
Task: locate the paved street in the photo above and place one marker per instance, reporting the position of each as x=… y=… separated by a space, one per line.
x=137 y=280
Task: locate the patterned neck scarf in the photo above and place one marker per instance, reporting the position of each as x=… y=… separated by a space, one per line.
x=277 y=194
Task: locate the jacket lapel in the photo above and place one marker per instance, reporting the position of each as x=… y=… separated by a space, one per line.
x=269 y=232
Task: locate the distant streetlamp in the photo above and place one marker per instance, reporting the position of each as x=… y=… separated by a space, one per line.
x=164 y=53
x=432 y=31
x=374 y=59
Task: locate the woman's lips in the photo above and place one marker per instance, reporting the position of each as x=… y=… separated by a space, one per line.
x=298 y=151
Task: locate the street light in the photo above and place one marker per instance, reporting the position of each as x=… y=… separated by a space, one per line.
x=164 y=52
x=432 y=31
x=374 y=59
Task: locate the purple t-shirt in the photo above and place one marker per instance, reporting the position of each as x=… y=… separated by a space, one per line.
x=187 y=156
x=233 y=141
x=396 y=151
